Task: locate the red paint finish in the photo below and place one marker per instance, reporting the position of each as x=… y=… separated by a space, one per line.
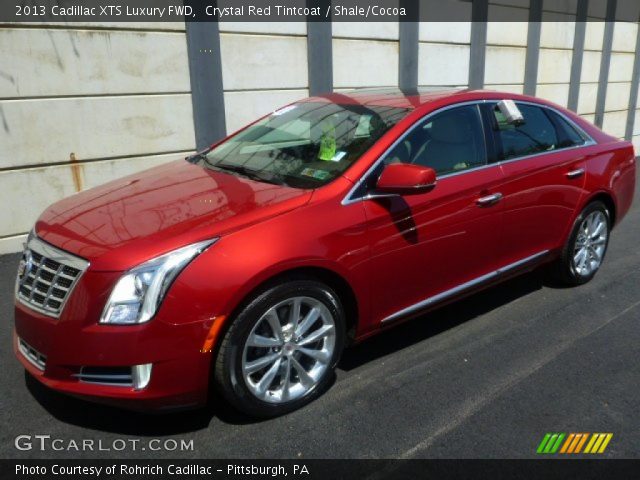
x=130 y=220
x=391 y=252
x=540 y=201
x=406 y=179
x=424 y=244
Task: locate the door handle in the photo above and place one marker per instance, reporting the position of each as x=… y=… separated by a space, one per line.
x=489 y=200
x=578 y=172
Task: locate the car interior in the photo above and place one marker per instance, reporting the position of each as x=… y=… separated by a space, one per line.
x=450 y=141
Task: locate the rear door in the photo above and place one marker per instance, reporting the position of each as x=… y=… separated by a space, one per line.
x=544 y=179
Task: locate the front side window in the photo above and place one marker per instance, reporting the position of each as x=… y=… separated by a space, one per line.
x=536 y=134
x=304 y=145
x=448 y=142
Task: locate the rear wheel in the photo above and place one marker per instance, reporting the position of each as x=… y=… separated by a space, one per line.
x=586 y=247
x=281 y=350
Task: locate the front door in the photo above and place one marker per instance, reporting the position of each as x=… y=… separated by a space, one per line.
x=427 y=246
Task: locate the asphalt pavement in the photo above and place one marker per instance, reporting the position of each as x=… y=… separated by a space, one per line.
x=486 y=377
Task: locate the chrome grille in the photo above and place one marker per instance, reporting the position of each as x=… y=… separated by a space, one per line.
x=47 y=276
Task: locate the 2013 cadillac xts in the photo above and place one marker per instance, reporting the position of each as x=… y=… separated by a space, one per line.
x=249 y=266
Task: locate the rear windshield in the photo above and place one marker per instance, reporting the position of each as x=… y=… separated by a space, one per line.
x=304 y=145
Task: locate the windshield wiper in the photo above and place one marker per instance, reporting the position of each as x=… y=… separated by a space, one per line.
x=242 y=170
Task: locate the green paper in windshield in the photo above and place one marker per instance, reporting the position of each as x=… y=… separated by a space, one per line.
x=327 y=143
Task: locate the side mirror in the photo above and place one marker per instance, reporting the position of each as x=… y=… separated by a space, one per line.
x=406 y=179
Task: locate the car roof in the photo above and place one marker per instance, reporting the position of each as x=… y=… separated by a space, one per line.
x=415 y=98
x=422 y=100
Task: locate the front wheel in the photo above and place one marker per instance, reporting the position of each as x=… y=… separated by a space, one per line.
x=585 y=249
x=281 y=349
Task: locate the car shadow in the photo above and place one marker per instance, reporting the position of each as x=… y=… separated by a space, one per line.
x=106 y=418
x=431 y=324
x=99 y=417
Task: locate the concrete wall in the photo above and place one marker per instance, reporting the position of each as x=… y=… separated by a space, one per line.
x=556 y=52
x=83 y=104
x=365 y=55
x=443 y=54
x=264 y=66
x=506 y=48
x=620 y=73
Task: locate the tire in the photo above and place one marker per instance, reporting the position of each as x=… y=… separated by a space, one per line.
x=258 y=370
x=577 y=265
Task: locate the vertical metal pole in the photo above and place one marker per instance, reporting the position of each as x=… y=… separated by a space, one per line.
x=578 y=53
x=607 y=46
x=409 y=46
x=479 y=14
x=533 y=47
x=207 y=92
x=320 y=53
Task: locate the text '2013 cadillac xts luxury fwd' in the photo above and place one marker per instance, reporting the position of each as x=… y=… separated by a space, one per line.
x=249 y=266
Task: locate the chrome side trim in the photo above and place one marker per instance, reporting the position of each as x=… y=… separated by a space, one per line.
x=589 y=141
x=462 y=287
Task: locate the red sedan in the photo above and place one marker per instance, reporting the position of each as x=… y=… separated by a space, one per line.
x=249 y=266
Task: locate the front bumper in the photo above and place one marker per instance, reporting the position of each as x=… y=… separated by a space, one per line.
x=180 y=371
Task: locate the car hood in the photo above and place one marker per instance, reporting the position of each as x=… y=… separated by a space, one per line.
x=128 y=221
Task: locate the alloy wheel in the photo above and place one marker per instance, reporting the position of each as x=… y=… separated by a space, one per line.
x=289 y=350
x=590 y=243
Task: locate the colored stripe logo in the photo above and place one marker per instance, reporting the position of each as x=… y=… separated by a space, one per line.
x=574 y=442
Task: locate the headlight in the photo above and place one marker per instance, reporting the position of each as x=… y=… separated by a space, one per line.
x=139 y=292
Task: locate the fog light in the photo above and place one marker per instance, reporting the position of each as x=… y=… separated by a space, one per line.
x=141 y=374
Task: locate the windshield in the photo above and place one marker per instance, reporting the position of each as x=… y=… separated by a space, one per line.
x=304 y=145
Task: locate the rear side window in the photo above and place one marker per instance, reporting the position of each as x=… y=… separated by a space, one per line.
x=448 y=142
x=570 y=137
x=537 y=134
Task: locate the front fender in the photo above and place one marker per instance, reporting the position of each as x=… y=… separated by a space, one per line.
x=212 y=287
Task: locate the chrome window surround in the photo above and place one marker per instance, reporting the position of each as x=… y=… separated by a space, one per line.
x=435 y=299
x=589 y=141
x=64 y=259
